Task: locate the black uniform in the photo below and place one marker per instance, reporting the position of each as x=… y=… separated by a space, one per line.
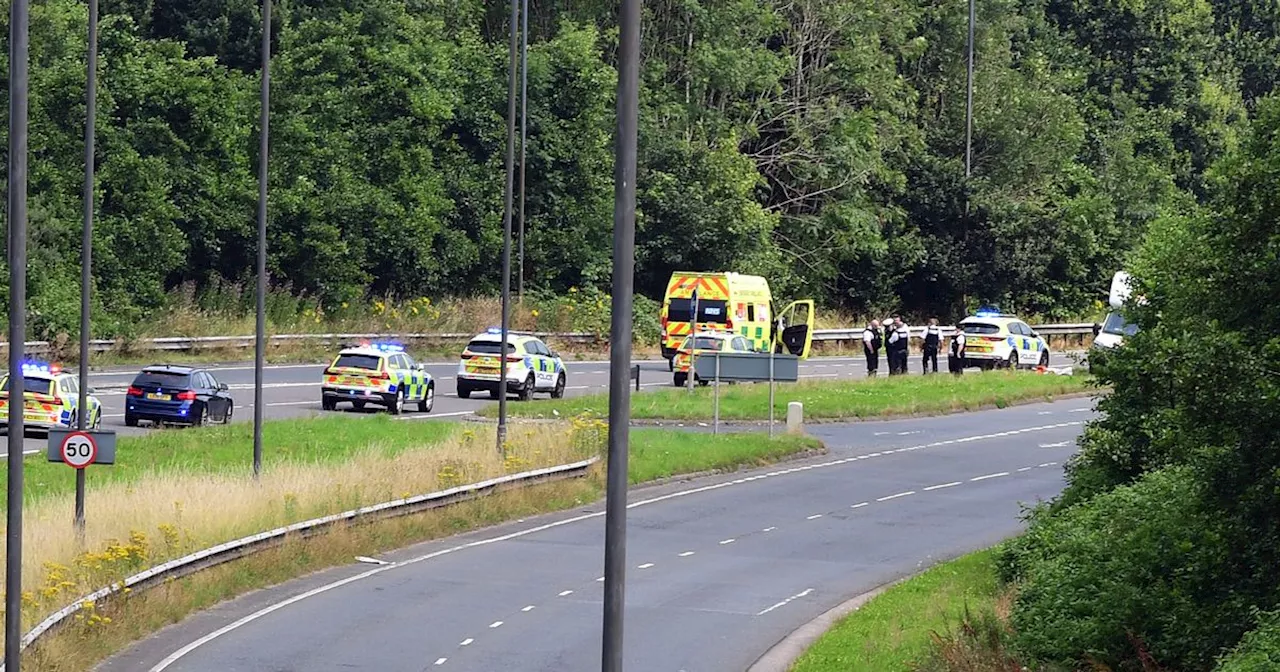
x=904 y=346
x=955 y=358
x=891 y=343
x=872 y=350
x=932 y=342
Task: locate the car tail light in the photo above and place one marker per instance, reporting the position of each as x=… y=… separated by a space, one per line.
x=134 y=391
x=467 y=355
x=515 y=358
x=189 y=395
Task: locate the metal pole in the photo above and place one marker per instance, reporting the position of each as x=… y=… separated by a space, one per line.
x=771 y=391
x=17 y=218
x=968 y=123
x=715 y=420
x=524 y=134
x=624 y=233
x=693 y=339
x=506 y=224
x=263 y=155
x=86 y=248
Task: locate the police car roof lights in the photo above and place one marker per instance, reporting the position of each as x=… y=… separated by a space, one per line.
x=383 y=347
x=988 y=311
x=29 y=368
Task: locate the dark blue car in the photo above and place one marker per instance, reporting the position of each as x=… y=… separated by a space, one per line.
x=178 y=395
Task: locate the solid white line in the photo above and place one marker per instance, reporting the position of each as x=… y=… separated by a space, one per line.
x=428 y=416
x=859 y=505
x=25 y=452
x=466 y=641
x=686 y=554
x=900 y=494
x=495 y=624
x=528 y=608
x=646 y=565
x=727 y=541
x=440 y=661
x=784 y=602
x=814 y=516
x=565 y=592
x=270 y=609
x=944 y=485
x=983 y=478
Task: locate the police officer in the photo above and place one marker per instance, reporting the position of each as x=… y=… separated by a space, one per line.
x=932 y=342
x=892 y=339
x=955 y=358
x=904 y=343
x=871 y=342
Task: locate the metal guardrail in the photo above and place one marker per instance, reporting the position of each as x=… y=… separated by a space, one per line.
x=192 y=343
x=239 y=548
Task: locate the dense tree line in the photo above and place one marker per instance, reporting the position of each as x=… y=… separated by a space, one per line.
x=1162 y=552
x=818 y=142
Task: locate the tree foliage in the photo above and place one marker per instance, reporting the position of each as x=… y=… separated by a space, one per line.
x=818 y=142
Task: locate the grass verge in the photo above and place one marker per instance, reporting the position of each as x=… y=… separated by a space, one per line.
x=166 y=514
x=922 y=625
x=827 y=400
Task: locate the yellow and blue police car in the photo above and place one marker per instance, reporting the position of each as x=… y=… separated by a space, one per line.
x=50 y=398
x=999 y=340
x=530 y=366
x=382 y=374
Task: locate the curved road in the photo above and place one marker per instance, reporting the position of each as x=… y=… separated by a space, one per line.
x=719 y=568
x=292 y=390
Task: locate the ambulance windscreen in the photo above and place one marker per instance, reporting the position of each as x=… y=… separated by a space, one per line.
x=708 y=311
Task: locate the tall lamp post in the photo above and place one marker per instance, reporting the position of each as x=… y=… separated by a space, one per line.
x=260 y=338
x=506 y=227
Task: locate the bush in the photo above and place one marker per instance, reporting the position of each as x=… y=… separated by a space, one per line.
x=1130 y=573
x=1259 y=651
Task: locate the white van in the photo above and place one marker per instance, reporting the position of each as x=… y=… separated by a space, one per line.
x=1113 y=330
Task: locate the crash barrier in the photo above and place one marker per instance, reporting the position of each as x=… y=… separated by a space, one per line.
x=1059 y=335
x=233 y=550
x=735 y=367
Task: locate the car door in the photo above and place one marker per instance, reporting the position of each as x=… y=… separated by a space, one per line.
x=206 y=394
x=418 y=378
x=219 y=399
x=796 y=334
x=1022 y=342
x=399 y=373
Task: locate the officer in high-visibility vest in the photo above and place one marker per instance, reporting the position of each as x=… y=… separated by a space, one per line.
x=871 y=342
x=904 y=344
x=932 y=343
x=892 y=340
x=955 y=358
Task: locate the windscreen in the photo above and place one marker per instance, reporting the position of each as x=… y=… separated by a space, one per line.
x=163 y=379
x=703 y=343
x=369 y=362
x=679 y=310
x=489 y=347
x=980 y=328
x=33 y=385
x=1116 y=325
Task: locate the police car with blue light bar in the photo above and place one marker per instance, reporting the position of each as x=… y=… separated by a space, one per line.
x=999 y=340
x=530 y=366
x=381 y=374
x=51 y=398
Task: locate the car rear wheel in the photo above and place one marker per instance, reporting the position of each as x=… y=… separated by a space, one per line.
x=1044 y=358
x=526 y=392
x=680 y=379
x=203 y=417
x=130 y=421
x=1012 y=364
x=464 y=392
x=226 y=419
x=358 y=405
x=397 y=403
x=328 y=404
x=428 y=400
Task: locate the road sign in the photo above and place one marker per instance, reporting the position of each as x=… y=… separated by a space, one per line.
x=80 y=449
x=748 y=367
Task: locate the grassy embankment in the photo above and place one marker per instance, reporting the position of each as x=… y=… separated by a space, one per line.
x=951 y=618
x=171 y=493
x=827 y=400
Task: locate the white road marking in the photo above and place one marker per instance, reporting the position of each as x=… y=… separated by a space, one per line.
x=599 y=579
x=900 y=494
x=565 y=592
x=428 y=416
x=768 y=529
x=1060 y=444
x=272 y=608
x=943 y=485
x=814 y=516
x=1025 y=469
x=727 y=541
x=908 y=433
x=646 y=565
x=997 y=475
x=686 y=554
x=881 y=433
x=440 y=661
x=528 y=608
x=1045 y=413
x=1080 y=410
x=875 y=455
x=859 y=505
x=1048 y=464
x=25 y=452
x=786 y=601
x=495 y=624
x=466 y=642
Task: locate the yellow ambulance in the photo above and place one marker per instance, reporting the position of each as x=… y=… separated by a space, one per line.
x=733 y=303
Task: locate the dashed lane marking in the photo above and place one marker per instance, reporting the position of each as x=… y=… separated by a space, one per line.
x=727 y=541
x=900 y=494
x=495 y=624
x=686 y=554
x=942 y=485
x=441 y=661
x=466 y=642
x=565 y=592
x=646 y=565
x=996 y=475
x=786 y=601
x=528 y=608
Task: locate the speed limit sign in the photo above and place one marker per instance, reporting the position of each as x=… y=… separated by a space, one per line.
x=79 y=449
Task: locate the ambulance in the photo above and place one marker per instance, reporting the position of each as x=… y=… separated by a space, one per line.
x=733 y=303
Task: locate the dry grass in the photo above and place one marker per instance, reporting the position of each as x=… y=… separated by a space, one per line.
x=165 y=514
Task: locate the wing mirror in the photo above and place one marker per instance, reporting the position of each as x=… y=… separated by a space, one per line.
x=1097 y=328
x=223 y=387
x=92 y=390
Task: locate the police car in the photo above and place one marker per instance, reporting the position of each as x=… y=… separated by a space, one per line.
x=704 y=342
x=530 y=366
x=50 y=398
x=382 y=374
x=998 y=340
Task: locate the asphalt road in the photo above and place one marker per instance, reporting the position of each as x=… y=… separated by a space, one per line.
x=293 y=390
x=719 y=569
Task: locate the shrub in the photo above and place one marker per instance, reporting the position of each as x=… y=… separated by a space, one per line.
x=1259 y=651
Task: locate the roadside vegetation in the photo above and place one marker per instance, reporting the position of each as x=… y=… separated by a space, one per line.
x=1161 y=552
x=168 y=496
x=826 y=399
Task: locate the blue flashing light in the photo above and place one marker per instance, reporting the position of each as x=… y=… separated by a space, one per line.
x=29 y=368
x=385 y=347
x=493 y=330
x=988 y=311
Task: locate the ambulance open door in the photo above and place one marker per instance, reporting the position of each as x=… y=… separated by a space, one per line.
x=793 y=329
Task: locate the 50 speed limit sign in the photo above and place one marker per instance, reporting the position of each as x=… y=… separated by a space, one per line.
x=79 y=449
